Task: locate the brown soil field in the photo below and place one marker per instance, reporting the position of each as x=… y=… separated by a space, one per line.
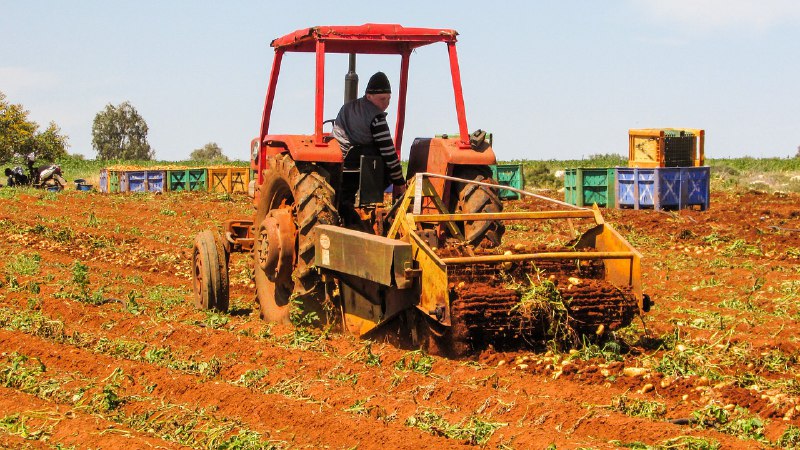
x=101 y=346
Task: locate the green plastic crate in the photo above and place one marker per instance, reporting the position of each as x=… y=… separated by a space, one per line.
x=109 y=181
x=188 y=180
x=510 y=175
x=585 y=187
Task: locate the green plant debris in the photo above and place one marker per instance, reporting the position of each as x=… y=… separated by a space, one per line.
x=78 y=288
x=676 y=443
x=365 y=355
x=197 y=427
x=638 y=408
x=35 y=323
x=19 y=425
x=739 y=422
x=542 y=303
x=26 y=264
x=254 y=378
x=790 y=438
x=415 y=361
x=473 y=430
x=740 y=247
x=359 y=407
x=608 y=351
x=290 y=388
x=686 y=363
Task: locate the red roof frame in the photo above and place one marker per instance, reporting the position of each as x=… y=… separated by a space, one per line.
x=369 y=38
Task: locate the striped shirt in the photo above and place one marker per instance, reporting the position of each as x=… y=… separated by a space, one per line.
x=385 y=145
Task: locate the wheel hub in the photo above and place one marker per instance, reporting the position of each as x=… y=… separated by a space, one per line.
x=276 y=254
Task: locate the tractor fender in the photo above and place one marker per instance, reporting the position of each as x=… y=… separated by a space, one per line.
x=442 y=155
x=300 y=147
x=303 y=148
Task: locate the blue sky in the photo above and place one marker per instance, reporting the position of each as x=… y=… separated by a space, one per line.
x=551 y=80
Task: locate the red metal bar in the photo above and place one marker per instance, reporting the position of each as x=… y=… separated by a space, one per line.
x=460 y=111
x=320 y=96
x=401 y=102
x=273 y=82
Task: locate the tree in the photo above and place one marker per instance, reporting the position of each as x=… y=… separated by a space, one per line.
x=209 y=152
x=20 y=135
x=50 y=144
x=119 y=132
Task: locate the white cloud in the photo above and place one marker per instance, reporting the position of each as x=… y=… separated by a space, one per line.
x=17 y=79
x=713 y=15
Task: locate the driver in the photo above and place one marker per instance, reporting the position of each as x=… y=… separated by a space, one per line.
x=361 y=129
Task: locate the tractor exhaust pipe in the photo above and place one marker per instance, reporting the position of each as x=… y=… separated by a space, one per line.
x=351 y=81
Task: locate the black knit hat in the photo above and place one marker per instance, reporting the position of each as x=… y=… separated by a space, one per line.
x=379 y=84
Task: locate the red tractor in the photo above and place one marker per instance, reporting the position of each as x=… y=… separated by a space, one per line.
x=390 y=262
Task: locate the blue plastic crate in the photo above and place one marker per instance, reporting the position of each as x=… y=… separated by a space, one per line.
x=696 y=181
x=103 y=180
x=156 y=180
x=663 y=187
x=134 y=181
x=143 y=181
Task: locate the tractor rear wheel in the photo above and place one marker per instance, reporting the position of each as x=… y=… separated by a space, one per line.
x=294 y=197
x=210 y=264
x=472 y=198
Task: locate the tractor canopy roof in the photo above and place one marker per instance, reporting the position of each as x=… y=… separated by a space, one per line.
x=369 y=38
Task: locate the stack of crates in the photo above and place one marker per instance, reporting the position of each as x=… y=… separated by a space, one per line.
x=174 y=179
x=665 y=171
